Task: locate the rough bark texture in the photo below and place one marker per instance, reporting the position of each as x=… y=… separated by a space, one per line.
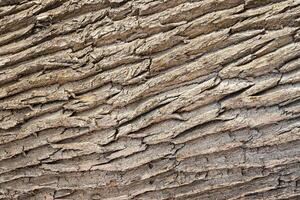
x=150 y=99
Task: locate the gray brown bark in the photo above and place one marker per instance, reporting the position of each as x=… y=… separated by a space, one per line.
x=150 y=99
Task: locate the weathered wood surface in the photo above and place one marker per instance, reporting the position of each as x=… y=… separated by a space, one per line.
x=150 y=99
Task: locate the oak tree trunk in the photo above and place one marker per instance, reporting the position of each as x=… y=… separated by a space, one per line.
x=149 y=99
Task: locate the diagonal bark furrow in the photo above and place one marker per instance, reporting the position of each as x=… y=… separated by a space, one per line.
x=13 y=59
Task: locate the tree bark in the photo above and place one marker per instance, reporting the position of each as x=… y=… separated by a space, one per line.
x=150 y=99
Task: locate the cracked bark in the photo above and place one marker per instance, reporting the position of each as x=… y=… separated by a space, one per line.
x=149 y=99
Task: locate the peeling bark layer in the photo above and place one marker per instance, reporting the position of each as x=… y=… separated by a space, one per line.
x=150 y=99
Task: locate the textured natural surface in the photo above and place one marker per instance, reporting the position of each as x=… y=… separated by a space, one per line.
x=149 y=99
